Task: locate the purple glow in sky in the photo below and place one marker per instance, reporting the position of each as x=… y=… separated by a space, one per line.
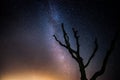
x=27 y=46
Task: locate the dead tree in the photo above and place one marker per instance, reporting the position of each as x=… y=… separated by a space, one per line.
x=77 y=56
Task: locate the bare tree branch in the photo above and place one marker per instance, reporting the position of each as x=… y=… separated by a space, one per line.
x=93 y=54
x=59 y=42
x=67 y=46
x=66 y=37
x=105 y=61
x=75 y=54
x=67 y=42
x=77 y=41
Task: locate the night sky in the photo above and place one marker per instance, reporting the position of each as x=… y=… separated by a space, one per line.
x=28 y=50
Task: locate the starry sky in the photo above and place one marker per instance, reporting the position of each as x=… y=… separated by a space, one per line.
x=28 y=50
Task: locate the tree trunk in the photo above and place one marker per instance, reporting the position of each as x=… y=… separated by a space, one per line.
x=82 y=69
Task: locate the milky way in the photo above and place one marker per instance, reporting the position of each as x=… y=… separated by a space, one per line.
x=31 y=47
x=28 y=48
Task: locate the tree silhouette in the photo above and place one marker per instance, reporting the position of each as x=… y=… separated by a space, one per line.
x=77 y=56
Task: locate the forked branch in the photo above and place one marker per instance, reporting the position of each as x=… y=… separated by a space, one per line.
x=67 y=43
x=93 y=54
x=105 y=61
x=59 y=42
x=76 y=54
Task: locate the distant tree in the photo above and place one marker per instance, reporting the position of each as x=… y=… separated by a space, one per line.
x=77 y=56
